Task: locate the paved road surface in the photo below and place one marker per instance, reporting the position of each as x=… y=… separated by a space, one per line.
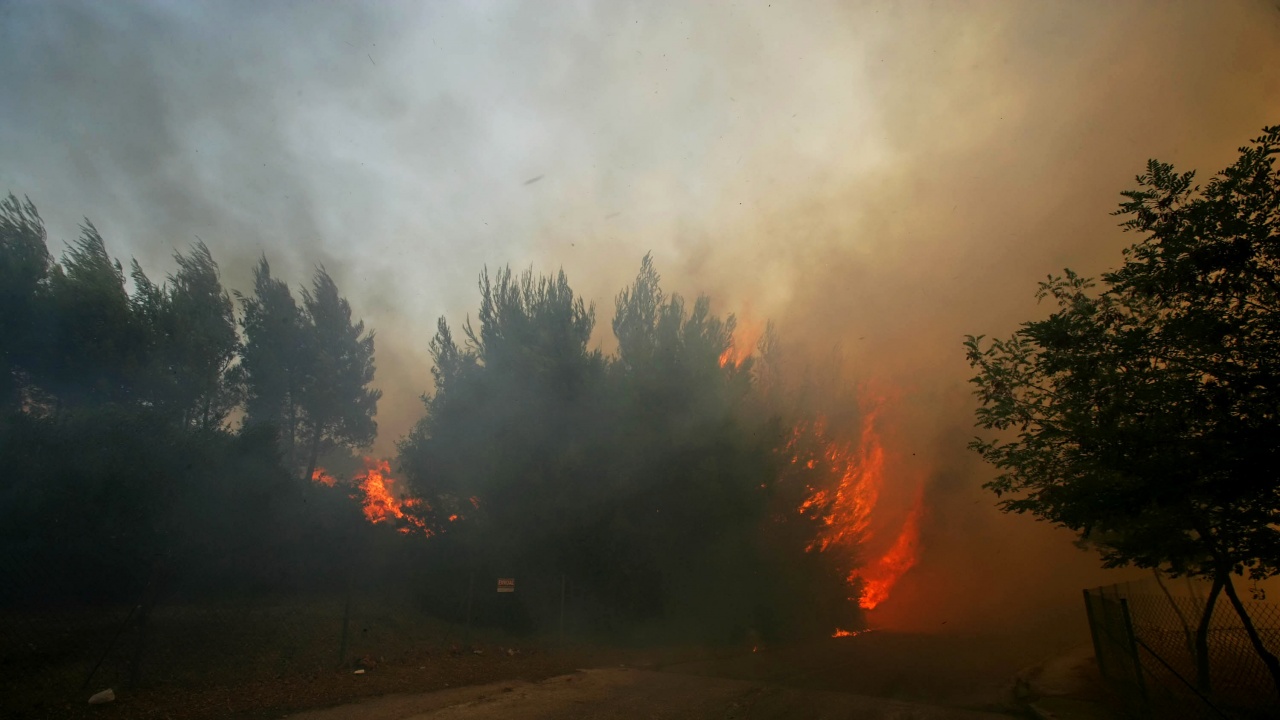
x=626 y=694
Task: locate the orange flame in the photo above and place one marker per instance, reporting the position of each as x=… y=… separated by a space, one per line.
x=883 y=574
x=746 y=335
x=845 y=633
x=380 y=505
x=846 y=512
x=728 y=356
x=322 y=477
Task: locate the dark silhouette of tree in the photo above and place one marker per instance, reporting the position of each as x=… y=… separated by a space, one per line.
x=508 y=406
x=641 y=476
x=275 y=360
x=24 y=274
x=192 y=341
x=646 y=477
x=96 y=344
x=337 y=403
x=1143 y=415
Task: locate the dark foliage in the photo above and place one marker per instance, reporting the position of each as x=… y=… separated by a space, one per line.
x=152 y=445
x=645 y=476
x=1144 y=416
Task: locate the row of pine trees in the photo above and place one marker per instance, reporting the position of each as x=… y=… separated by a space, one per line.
x=164 y=433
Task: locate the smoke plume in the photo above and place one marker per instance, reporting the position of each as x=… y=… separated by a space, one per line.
x=877 y=178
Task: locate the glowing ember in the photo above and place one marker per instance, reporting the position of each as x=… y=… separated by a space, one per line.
x=880 y=577
x=322 y=477
x=845 y=633
x=380 y=505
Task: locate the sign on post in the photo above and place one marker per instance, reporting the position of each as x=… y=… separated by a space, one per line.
x=506 y=584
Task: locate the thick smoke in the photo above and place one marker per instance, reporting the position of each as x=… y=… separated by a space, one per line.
x=879 y=178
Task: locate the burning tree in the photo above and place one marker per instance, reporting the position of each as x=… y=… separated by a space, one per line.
x=843 y=483
x=660 y=479
x=642 y=476
x=1144 y=416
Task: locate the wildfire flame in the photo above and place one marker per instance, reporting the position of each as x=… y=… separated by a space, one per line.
x=374 y=489
x=746 y=335
x=844 y=512
x=880 y=577
x=381 y=505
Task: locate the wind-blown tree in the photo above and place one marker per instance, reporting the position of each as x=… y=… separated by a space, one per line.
x=192 y=341
x=337 y=403
x=24 y=274
x=95 y=343
x=275 y=359
x=1143 y=415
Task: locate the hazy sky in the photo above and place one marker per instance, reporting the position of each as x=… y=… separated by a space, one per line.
x=878 y=177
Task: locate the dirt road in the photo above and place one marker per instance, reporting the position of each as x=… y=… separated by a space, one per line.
x=625 y=694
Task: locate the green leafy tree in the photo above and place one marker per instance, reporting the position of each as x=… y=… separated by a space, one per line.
x=1142 y=414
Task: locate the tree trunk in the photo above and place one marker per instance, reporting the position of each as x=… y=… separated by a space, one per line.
x=313 y=455
x=1202 y=637
x=1273 y=665
x=292 y=454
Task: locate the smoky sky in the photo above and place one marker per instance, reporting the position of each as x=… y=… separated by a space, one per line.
x=878 y=178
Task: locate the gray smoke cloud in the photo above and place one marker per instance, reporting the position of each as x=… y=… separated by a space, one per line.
x=879 y=178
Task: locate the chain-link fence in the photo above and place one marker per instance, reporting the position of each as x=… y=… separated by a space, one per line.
x=1156 y=647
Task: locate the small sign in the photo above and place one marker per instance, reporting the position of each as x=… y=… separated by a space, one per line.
x=506 y=584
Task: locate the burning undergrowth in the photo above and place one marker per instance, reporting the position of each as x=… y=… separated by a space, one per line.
x=383 y=502
x=844 y=481
x=658 y=478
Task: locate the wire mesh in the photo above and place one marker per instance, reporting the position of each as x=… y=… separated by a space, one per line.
x=1146 y=641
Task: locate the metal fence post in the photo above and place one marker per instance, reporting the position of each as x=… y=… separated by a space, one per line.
x=1093 y=633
